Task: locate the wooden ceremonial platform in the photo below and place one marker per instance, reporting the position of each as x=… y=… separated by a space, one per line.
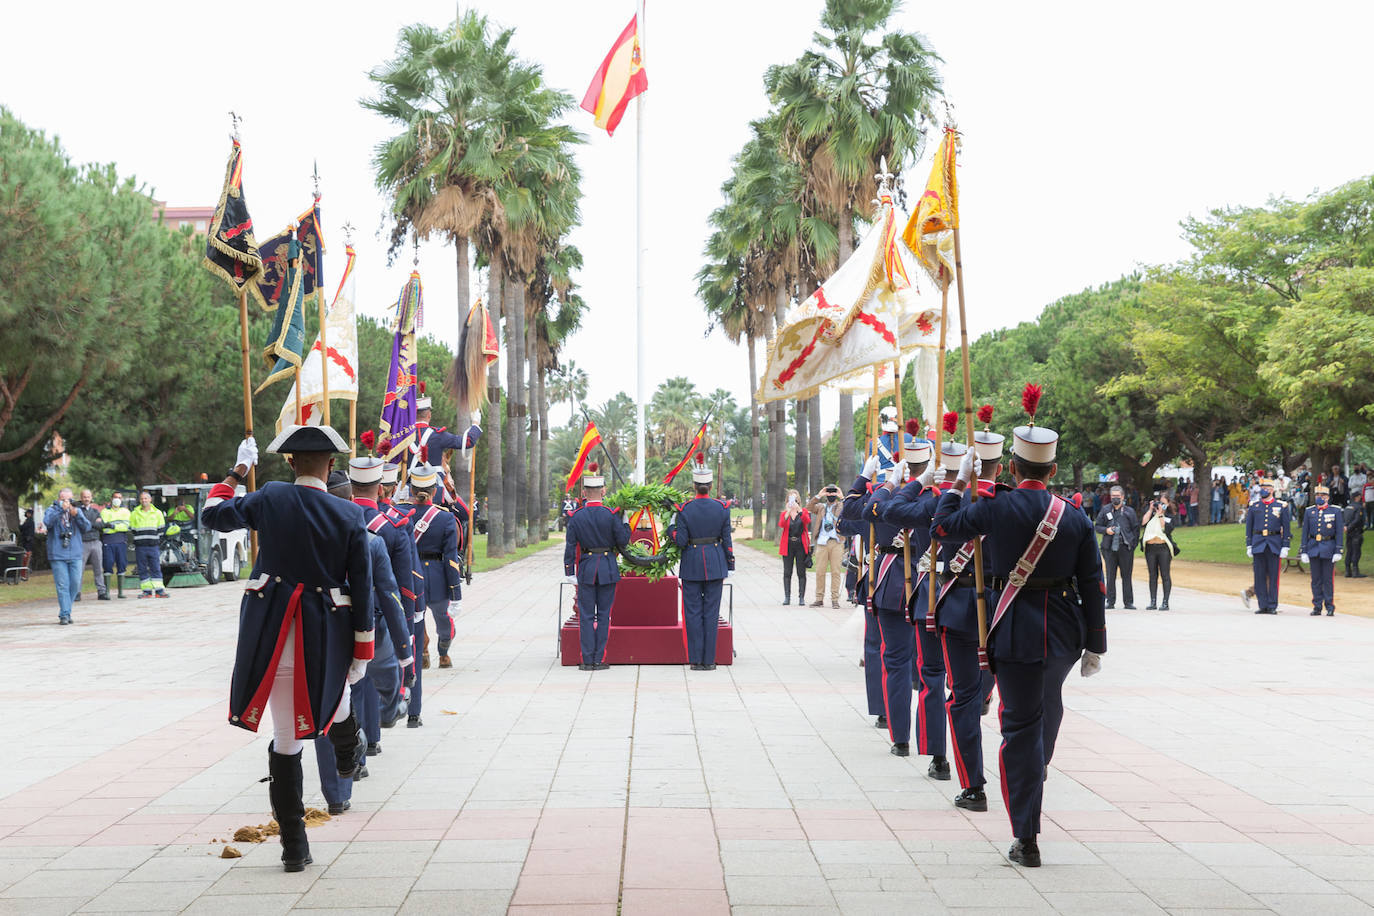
x=647 y=626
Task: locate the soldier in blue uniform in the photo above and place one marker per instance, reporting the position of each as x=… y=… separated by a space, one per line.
x=1267 y=534
x=702 y=530
x=896 y=537
x=1323 y=533
x=302 y=639
x=435 y=534
x=594 y=536
x=430 y=443
x=1049 y=611
x=956 y=616
x=853 y=523
x=382 y=689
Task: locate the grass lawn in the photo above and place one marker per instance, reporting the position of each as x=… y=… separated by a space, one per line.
x=1224 y=543
x=482 y=563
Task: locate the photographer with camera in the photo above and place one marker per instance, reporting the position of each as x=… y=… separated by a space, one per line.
x=66 y=524
x=1157 y=525
x=1119 y=528
x=829 y=550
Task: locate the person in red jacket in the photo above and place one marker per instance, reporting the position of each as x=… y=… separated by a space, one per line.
x=794 y=546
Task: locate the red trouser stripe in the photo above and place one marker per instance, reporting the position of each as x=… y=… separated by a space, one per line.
x=949 y=715
x=882 y=660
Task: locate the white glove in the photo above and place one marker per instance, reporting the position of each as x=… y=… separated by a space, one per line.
x=1250 y=552
x=1335 y=558
x=1092 y=663
x=870 y=467
x=356 y=669
x=405 y=662
x=571 y=580
x=1303 y=557
x=248 y=452
x=904 y=474
x=729 y=573
x=928 y=475
x=477 y=418
x=1283 y=554
x=969 y=465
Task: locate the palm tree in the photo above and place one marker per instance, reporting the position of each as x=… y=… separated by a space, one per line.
x=852 y=98
x=569 y=384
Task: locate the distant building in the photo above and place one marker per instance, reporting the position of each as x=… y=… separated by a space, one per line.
x=175 y=218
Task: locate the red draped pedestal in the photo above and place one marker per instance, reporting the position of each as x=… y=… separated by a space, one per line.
x=646 y=627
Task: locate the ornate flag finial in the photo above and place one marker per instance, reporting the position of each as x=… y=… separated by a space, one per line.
x=235 y=118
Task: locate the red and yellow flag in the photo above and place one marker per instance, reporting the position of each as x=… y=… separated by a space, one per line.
x=620 y=78
x=929 y=231
x=691 y=450
x=590 y=440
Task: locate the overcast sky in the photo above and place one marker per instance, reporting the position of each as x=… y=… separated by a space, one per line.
x=1091 y=129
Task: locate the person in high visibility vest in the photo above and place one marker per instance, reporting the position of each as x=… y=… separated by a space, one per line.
x=147 y=523
x=114 y=537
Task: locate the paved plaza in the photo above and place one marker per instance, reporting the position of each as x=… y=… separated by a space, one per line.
x=1220 y=763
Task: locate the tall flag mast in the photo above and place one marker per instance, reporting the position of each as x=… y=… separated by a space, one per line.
x=620 y=78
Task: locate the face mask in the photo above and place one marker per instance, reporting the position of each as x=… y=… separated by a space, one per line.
x=1116 y=500
x=116 y=502
x=831 y=498
x=1265 y=493
x=1321 y=500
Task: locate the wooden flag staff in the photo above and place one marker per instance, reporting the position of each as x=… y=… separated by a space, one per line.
x=247 y=399
x=968 y=422
x=932 y=577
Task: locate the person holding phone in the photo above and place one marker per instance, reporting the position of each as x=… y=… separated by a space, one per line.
x=66 y=524
x=1157 y=525
x=828 y=553
x=794 y=545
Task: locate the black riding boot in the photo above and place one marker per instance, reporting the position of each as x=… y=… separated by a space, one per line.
x=285 y=789
x=350 y=746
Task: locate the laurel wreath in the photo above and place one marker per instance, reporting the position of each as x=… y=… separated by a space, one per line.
x=663 y=500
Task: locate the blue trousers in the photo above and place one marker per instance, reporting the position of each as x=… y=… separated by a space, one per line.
x=898 y=646
x=701 y=609
x=378 y=695
x=443 y=625
x=873 y=665
x=116 y=557
x=1031 y=712
x=334 y=789
x=1323 y=582
x=969 y=686
x=930 y=712
x=149 y=567
x=418 y=634
x=1267 y=566
x=594 y=619
x=66 y=576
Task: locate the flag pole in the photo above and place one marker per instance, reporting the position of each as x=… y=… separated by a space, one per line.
x=938 y=426
x=639 y=259
x=247 y=399
x=872 y=449
x=353 y=428
x=973 y=490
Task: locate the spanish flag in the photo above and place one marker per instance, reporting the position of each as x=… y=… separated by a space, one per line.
x=590 y=440
x=620 y=78
x=929 y=233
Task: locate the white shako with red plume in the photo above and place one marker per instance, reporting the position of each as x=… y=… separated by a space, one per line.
x=986 y=443
x=952 y=450
x=917 y=448
x=422 y=402
x=701 y=473
x=593 y=477
x=1037 y=444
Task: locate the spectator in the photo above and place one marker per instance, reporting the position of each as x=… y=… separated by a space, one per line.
x=1192 y=503
x=148 y=525
x=114 y=532
x=26 y=536
x=1218 y=500
x=1158 y=523
x=1339 y=486
x=92 y=553
x=66 y=523
x=824 y=508
x=794 y=546
x=1358 y=479
x=1234 y=492
x=1119 y=526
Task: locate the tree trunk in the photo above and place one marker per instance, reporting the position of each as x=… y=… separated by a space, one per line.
x=755 y=457
x=802 y=456
x=545 y=504
x=533 y=521
x=462 y=470
x=511 y=481
x=846 y=418
x=813 y=414
x=1078 y=476
x=1202 y=468
x=496 y=514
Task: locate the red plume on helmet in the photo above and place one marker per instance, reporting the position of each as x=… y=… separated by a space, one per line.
x=951 y=421
x=1030 y=400
x=913 y=428
x=985 y=414
x=422 y=388
x=700 y=459
x=592 y=468
x=368 y=439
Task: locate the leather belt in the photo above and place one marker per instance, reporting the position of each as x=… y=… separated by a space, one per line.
x=701 y=542
x=889 y=550
x=597 y=550
x=1000 y=582
x=962 y=580
x=431 y=556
